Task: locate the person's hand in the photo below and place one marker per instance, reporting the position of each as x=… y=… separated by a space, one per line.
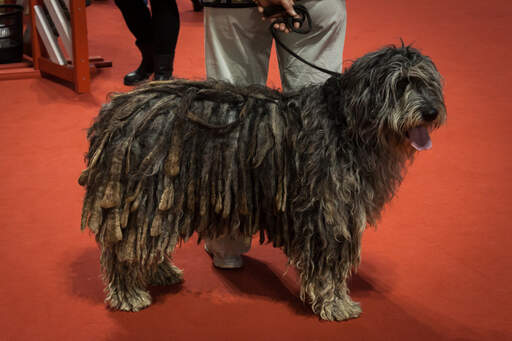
x=288 y=10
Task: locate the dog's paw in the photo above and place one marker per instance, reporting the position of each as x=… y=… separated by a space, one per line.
x=340 y=309
x=129 y=300
x=167 y=274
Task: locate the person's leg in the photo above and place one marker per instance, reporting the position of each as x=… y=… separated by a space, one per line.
x=138 y=19
x=237 y=45
x=323 y=46
x=166 y=27
x=237 y=50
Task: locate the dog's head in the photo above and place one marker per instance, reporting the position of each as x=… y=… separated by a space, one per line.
x=397 y=90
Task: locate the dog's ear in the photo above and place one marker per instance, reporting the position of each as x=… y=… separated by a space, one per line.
x=335 y=99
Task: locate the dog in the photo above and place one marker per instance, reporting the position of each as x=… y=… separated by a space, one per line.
x=307 y=170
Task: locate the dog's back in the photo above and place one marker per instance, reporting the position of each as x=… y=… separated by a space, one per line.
x=180 y=157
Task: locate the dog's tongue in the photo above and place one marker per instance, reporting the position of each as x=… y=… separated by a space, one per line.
x=419 y=138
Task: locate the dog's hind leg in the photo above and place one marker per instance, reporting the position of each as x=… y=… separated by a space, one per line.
x=160 y=270
x=166 y=273
x=126 y=285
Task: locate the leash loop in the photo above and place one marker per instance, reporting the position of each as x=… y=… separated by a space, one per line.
x=305 y=26
x=290 y=21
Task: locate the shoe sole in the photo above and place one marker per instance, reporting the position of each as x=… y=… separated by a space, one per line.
x=222 y=264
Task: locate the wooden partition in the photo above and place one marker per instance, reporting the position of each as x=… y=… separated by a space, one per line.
x=47 y=57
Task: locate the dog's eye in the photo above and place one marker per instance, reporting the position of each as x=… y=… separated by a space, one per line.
x=401 y=85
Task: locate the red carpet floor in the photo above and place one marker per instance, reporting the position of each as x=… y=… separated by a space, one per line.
x=438 y=267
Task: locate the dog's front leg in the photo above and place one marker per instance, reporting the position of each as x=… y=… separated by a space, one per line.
x=329 y=297
x=324 y=260
x=126 y=284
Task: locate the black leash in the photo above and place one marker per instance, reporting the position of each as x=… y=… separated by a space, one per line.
x=305 y=25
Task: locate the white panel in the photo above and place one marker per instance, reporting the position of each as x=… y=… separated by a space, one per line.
x=49 y=40
x=61 y=23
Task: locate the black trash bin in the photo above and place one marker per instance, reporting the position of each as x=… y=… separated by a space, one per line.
x=11 y=33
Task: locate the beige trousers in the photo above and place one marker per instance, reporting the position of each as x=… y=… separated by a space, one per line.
x=238 y=44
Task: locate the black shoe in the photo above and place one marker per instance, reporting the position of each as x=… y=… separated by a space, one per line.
x=163 y=67
x=145 y=69
x=138 y=76
x=198 y=5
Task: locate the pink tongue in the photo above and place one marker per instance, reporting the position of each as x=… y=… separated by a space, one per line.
x=419 y=138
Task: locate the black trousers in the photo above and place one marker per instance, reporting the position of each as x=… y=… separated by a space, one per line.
x=158 y=29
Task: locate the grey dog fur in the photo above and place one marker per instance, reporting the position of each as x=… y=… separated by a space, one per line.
x=308 y=170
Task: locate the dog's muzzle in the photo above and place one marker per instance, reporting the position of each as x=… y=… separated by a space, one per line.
x=419 y=138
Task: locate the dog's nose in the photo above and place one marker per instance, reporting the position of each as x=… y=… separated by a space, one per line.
x=429 y=115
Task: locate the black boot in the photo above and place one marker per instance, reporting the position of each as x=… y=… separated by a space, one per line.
x=138 y=76
x=163 y=67
x=145 y=68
